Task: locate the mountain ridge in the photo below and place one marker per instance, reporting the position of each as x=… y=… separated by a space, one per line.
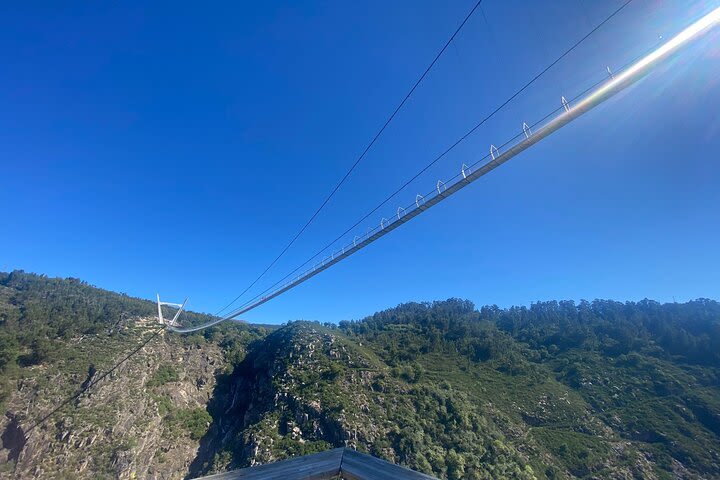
x=557 y=390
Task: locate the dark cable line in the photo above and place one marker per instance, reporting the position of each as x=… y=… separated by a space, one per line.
x=82 y=390
x=359 y=159
x=500 y=146
x=456 y=143
x=504 y=144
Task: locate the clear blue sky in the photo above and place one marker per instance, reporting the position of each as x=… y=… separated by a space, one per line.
x=176 y=148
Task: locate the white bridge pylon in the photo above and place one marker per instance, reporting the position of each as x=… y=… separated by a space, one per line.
x=173 y=322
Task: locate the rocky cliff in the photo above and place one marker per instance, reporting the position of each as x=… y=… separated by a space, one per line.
x=133 y=424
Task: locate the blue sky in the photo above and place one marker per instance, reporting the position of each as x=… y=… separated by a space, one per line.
x=175 y=149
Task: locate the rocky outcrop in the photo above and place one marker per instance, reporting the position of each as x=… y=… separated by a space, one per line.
x=239 y=396
x=127 y=426
x=302 y=389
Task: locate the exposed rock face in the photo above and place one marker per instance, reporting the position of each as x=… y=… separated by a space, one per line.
x=257 y=408
x=305 y=389
x=301 y=389
x=126 y=426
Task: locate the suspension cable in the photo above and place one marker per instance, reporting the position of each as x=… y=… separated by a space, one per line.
x=359 y=159
x=449 y=149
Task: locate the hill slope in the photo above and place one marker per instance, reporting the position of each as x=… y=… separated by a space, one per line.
x=558 y=390
x=143 y=421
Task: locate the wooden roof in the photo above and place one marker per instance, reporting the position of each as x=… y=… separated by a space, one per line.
x=342 y=463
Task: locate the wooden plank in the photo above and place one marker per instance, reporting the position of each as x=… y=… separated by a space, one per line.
x=359 y=466
x=318 y=466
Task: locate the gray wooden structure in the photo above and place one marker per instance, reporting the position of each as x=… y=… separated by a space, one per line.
x=339 y=463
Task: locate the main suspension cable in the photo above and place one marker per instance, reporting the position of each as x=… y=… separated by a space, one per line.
x=359 y=159
x=447 y=150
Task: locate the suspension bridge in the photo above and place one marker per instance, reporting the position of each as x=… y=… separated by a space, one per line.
x=567 y=111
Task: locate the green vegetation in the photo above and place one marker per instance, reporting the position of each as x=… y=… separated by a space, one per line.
x=596 y=389
x=164 y=374
x=59 y=335
x=599 y=385
x=579 y=452
x=42 y=320
x=195 y=421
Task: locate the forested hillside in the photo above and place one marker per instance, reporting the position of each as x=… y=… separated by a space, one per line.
x=142 y=421
x=596 y=389
x=600 y=386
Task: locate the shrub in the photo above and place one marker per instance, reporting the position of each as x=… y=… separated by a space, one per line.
x=164 y=374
